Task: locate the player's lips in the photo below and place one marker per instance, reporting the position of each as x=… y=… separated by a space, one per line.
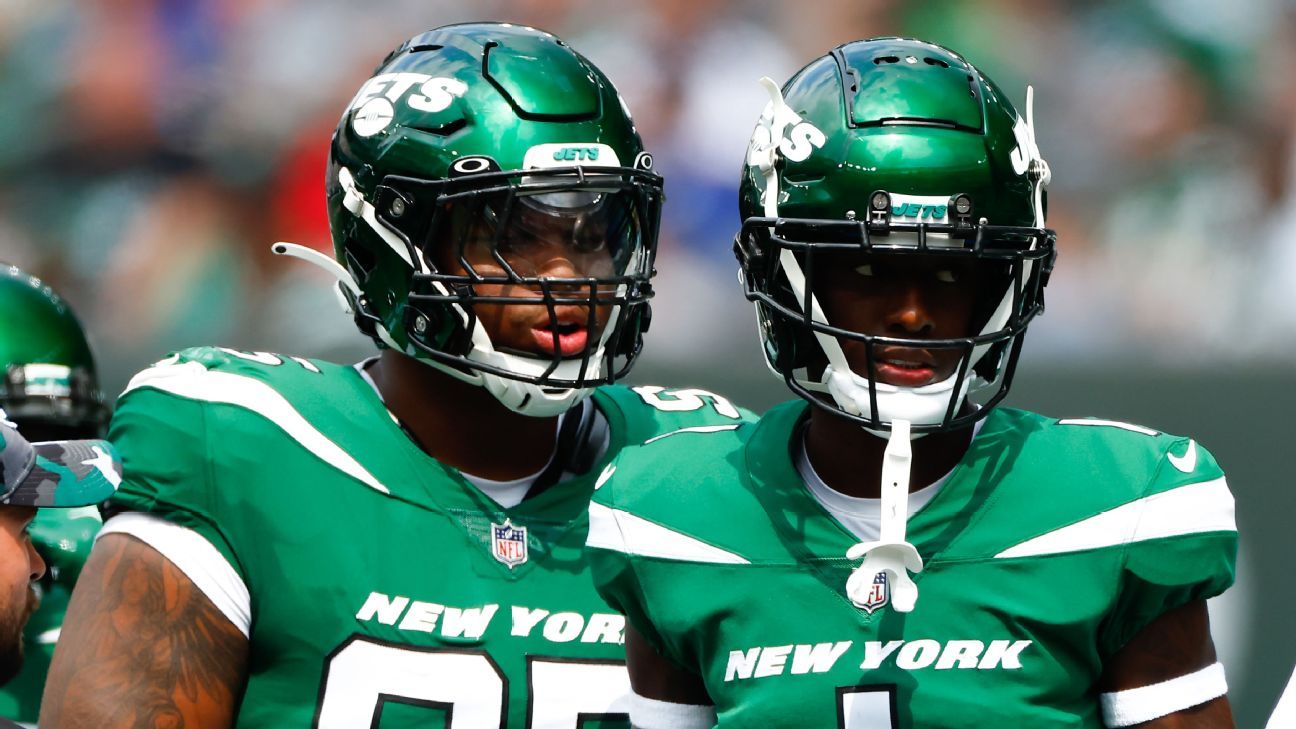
x=571 y=338
x=906 y=367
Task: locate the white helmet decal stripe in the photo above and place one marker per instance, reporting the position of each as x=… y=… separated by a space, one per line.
x=354 y=202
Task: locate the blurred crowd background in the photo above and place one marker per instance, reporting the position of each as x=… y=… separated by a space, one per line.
x=151 y=151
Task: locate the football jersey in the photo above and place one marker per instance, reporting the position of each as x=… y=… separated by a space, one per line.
x=384 y=589
x=1048 y=547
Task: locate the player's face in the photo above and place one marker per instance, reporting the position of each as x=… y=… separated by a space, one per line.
x=541 y=245
x=20 y=567
x=901 y=296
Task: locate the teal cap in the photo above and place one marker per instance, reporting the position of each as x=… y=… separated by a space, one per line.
x=60 y=473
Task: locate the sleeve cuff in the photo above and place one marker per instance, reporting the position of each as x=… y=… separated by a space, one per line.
x=193 y=555
x=1135 y=706
x=646 y=713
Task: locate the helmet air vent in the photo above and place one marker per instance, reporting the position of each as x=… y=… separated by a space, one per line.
x=900 y=83
x=422 y=48
x=444 y=130
x=562 y=88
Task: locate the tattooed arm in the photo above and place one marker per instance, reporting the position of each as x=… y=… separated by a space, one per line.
x=142 y=647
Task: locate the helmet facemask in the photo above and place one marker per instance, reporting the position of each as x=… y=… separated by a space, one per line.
x=787 y=264
x=53 y=401
x=500 y=231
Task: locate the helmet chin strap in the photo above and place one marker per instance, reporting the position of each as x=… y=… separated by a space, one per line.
x=890 y=554
x=924 y=405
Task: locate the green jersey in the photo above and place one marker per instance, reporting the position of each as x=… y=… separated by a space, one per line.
x=378 y=586
x=1048 y=547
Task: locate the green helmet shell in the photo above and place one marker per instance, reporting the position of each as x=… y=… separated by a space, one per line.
x=904 y=116
x=462 y=108
x=902 y=147
x=49 y=379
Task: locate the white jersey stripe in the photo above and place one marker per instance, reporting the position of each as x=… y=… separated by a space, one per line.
x=620 y=531
x=194 y=382
x=1143 y=704
x=193 y=555
x=1108 y=424
x=694 y=429
x=1195 y=508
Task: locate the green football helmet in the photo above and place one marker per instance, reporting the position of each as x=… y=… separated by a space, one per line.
x=49 y=383
x=893 y=147
x=498 y=136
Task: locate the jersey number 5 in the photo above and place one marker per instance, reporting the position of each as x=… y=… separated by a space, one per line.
x=466 y=687
x=684 y=401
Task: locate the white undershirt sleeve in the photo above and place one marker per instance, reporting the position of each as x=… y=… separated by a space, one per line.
x=646 y=713
x=1135 y=706
x=193 y=555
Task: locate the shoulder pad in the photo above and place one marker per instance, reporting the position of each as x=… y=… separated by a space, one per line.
x=646 y=412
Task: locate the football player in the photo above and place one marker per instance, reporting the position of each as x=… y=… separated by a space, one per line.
x=51 y=391
x=65 y=474
x=400 y=542
x=895 y=550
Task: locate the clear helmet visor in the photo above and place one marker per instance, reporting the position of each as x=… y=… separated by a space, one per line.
x=561 y=234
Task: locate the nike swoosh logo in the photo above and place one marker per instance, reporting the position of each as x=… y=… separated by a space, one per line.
x=603 y=477
x=1188 y=461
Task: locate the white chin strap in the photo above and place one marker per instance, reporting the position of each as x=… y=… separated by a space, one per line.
x=527 y=398
x=890 y=553
x=924 y=405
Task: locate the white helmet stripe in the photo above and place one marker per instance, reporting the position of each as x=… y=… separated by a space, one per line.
x=353 y=201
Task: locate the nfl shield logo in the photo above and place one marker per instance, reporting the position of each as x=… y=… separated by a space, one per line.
x=509 y=543
x=878 y=596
